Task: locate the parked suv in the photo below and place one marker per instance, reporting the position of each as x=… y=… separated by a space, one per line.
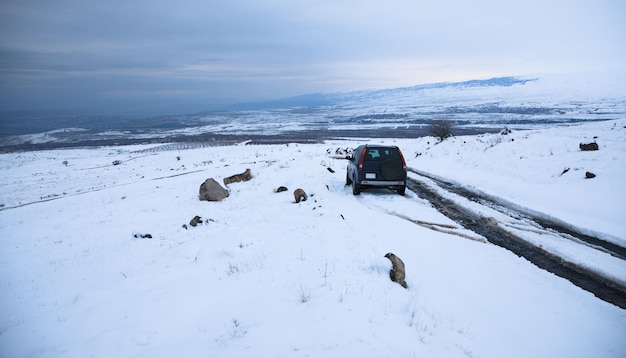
x=376 y=166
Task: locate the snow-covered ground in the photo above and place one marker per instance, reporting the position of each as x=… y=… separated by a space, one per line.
x=266 y=277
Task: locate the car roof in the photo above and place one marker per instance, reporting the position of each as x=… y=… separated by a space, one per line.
x=379 y=146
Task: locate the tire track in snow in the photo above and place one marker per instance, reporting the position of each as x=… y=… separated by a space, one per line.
x=83 y=192
x=439 y=193
x=563 y=229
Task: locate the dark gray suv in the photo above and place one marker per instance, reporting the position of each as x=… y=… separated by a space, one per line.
x=376 y=166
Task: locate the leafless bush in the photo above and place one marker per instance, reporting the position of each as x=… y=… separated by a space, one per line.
x=441 y=129
x=305 y=294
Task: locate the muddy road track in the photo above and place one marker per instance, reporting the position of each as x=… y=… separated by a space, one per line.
x=441 y=194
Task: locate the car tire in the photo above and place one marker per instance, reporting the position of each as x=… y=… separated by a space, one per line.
x=348 y=180
x=356 y=188
x=402 y=190
x=391 y=169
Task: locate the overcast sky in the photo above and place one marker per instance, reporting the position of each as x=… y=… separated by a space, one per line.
x=134 y=55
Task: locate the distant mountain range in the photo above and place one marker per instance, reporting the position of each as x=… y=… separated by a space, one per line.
x=476 y=105
x=326 y=99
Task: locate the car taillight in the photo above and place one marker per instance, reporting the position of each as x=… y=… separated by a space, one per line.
x=403 y=162
x=362 y=159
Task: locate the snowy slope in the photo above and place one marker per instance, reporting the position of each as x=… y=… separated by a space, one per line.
x=268 y=277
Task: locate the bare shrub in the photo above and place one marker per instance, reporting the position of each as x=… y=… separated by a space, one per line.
x=441 y=129
x=305 y=294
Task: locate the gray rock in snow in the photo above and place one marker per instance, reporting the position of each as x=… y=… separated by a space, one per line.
x=211 y=190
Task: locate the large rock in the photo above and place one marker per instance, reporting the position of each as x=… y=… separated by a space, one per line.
x=300 y=195
x=211 y=190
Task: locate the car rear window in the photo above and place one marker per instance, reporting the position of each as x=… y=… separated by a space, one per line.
x=381 y=154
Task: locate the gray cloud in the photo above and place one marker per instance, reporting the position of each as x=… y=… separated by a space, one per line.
x=127 y=54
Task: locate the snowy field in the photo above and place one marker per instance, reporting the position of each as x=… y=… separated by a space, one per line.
x=266 y=277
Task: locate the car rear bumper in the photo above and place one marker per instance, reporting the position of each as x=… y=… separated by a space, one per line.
x=383 y=182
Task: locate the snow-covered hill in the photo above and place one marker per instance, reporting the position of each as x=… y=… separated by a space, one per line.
x=267 y=277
